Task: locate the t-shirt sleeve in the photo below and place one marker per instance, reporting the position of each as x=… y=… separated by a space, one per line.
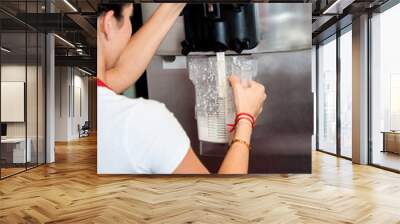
x=166 y=141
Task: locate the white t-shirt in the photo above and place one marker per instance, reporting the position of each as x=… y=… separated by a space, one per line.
x=137 y=136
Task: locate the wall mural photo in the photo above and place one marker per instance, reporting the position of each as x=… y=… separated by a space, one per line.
x=204 y=88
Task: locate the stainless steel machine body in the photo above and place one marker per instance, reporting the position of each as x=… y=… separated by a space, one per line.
x=282 y=138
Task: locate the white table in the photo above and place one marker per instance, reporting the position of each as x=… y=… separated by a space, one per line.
x=19 y=155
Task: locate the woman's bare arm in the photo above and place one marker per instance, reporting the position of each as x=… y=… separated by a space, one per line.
x=237 y=158
x=142 y=46
x=191 y=164
x=248 y=99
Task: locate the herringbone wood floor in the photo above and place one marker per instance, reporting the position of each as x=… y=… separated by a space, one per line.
x=69 y=191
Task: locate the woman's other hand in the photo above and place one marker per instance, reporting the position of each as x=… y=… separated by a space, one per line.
x=249 y=97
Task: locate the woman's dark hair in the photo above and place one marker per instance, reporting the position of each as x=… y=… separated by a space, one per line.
x=117 y=8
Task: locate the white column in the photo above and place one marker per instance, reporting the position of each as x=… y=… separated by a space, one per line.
x=50 y=92
x=360 y=90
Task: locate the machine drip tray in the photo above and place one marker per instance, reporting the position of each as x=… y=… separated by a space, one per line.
x=213 y=149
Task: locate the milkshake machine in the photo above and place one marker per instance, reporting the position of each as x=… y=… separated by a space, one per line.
x=266 y=42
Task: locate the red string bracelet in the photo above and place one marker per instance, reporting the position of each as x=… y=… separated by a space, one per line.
x=233 y=126
x=247 y=114
x=240 y=116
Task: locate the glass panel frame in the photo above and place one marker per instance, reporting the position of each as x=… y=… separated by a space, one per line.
x=14 y=146
x=327 y=78
x=27 y=59
x=340 y=99
x=384 y=70
x=346 y=75
x=32 y=98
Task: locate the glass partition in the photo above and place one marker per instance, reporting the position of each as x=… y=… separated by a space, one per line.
x=346 y=93
x=15 y=150
x=327 y=96
x=22 y=89
x=385 y=89
x=31 y=100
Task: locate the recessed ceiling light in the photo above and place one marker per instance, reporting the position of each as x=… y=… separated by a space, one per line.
x=70 y=5
x=337 y=7
x=64 y=40
x=5 y=50
x=84 y=71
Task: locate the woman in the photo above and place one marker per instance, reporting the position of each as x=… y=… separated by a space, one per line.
x=142 y=136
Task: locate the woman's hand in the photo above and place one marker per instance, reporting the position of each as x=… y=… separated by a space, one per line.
x=174 y=6
x=249 y=97
x=136 y=56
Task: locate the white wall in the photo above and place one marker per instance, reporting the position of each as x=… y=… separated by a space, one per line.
x=79 y=117
x=12 y=73
x=71 y=93
x=16 y=73
x=33 y=127
x=62 y=81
